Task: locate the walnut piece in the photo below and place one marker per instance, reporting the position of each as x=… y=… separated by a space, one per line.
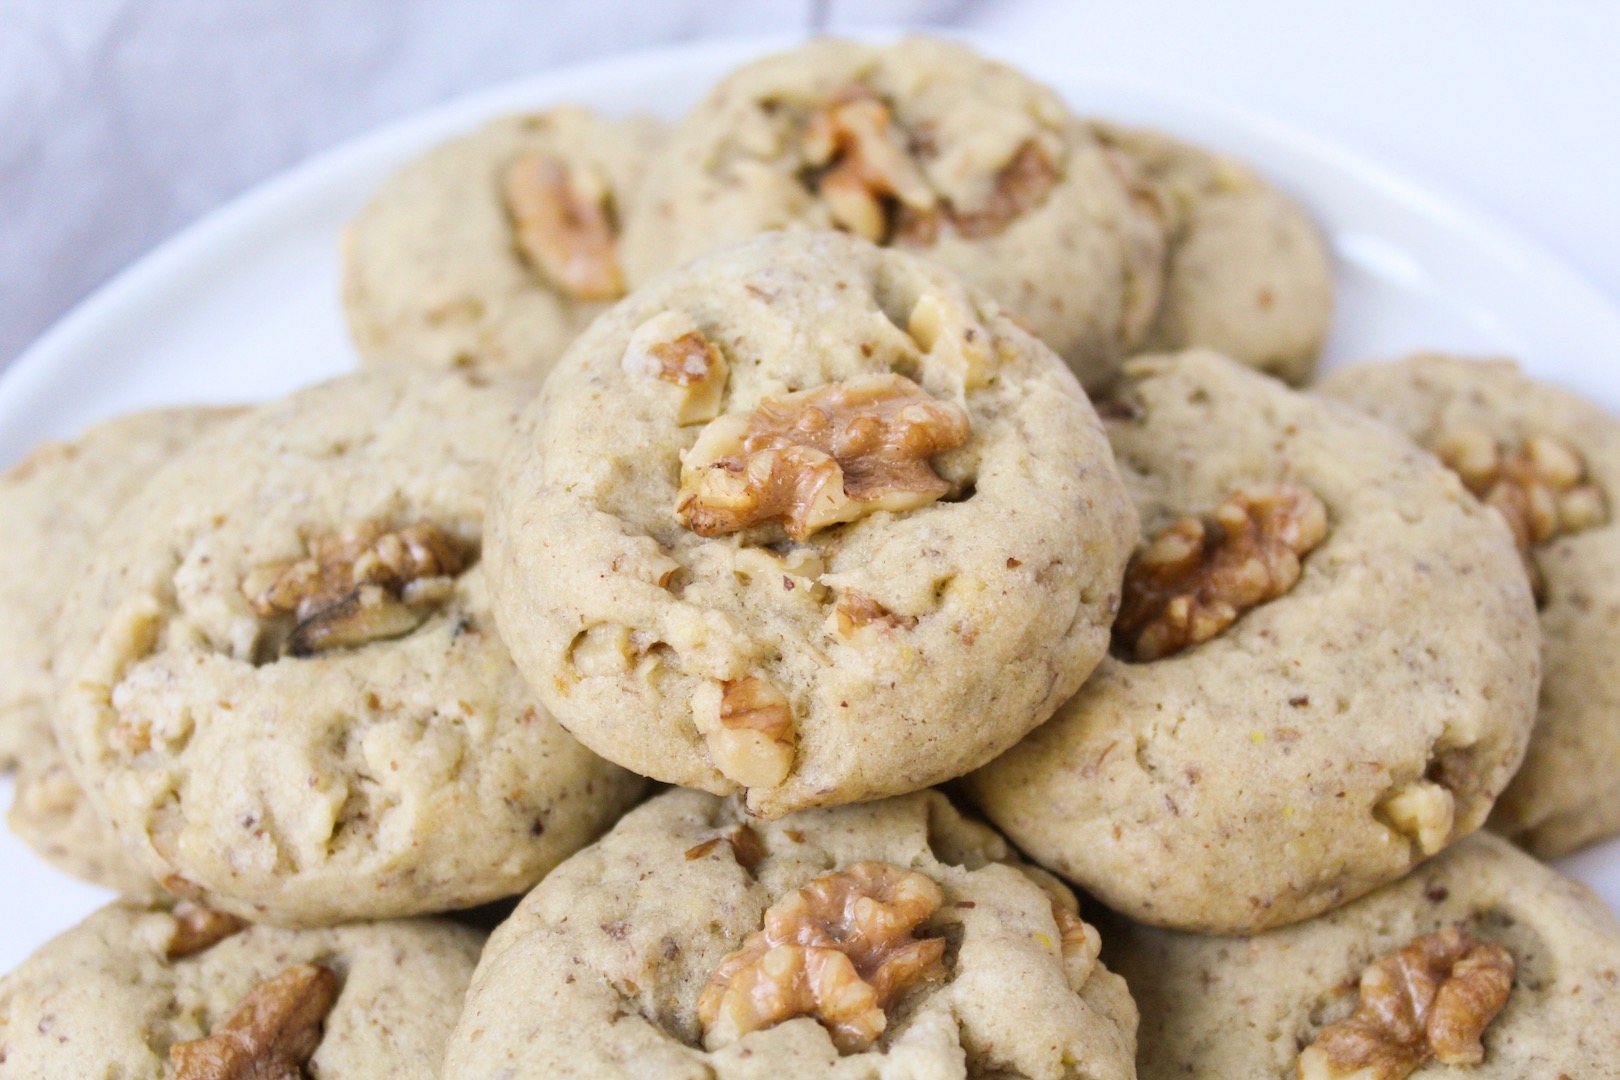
x=819 y=458
x=671 y=348
x=272 y=1034
x=856 y=612
x=366 y=583
x=1541 y=487
x=842 y=949
x=1432 y=999
x=749 y=727
x=863 y=164
x=1196 y=578
x=867 y=169
x=747 y=849
x=197 y=928
x=564 y=225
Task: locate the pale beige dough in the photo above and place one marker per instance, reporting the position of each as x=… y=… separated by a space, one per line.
x=55 y=504
x=598 y=972
x=625 y=620
x=104 y=1002
x=432 y=274
x=1328 y=740
x=1217 y=1008
x=406 y=775
x=1082 y=268
x=1566 y=794
x=1248 y=273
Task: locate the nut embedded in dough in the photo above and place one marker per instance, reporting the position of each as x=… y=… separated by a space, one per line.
x=821 y=458
x=1432 y=999
x=564 y=226
x=842 y=949
x=870 y=177
x=670 y=347
x=272 y=1034
x=1195 y=579
x=750 y=730
x=197 y=927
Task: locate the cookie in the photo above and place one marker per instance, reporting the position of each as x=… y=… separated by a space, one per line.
x=926 y=145
x=807 y=518
x=1540 y=971
x=1324 y=670
x=895 y=939
x=1248 y=273
x=495 y=250
x=1551 y=462
x=282 y=683
x=55 y=504
x=143 y=991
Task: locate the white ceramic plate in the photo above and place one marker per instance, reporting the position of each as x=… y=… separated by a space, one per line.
x=244 y=305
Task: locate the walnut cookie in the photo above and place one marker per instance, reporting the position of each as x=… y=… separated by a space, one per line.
x=1325 y=665
x=1551 y=462
x=928 y=146
x=55 y=504
x=896 y=939
x=143 y=991
x=281 y=679
x=493 y=251
x=811 y=519
x=1248 y=274
x=1482 y=963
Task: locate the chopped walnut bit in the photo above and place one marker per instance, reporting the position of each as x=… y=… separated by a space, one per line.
x=363 y=584
x=1422 y=810
x=1541 y=488
x=1432 y=999
x=750 y=731
x=868 y=168
x=1021 y=185
x=842 y=950
x=947 y=332
x=746 y=847
x=669 y=346
x=819 y=458
x=564 y=224
x=197 y=928
x=855 y=611
x=1195 y=579
x=272 y=1034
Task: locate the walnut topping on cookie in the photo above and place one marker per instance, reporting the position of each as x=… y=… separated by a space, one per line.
x=272 y=1034
x=670 y=347
x=564 y=225
x=1432 y=999
x=366 y=583
x=868 y=175
x=1196 y=578
x=843 y=949
x=819 y=458
x=750 y=730
x=197 y=928
x=1540 y=487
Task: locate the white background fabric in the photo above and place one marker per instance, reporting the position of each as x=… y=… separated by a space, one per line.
x=123 y=120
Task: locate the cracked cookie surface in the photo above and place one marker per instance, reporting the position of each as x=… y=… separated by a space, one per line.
x=115 y=995
x=912 y=530
x=55 y=504
x=631 y=956
x=393 y=762
x=495 y=250
x=1564 y=796
x=926 y=145
x=1322 y=742
x=1217 y=1008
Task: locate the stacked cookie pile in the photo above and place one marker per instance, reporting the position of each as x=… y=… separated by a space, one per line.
x=880 y=426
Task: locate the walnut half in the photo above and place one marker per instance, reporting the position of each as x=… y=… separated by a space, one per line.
x=272 y=1034
x=366 y=583
x=819 y=458
x=1432 y=999
x=843 y=950
x=749 y=728
x=564 y=225
x=1196 y=578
